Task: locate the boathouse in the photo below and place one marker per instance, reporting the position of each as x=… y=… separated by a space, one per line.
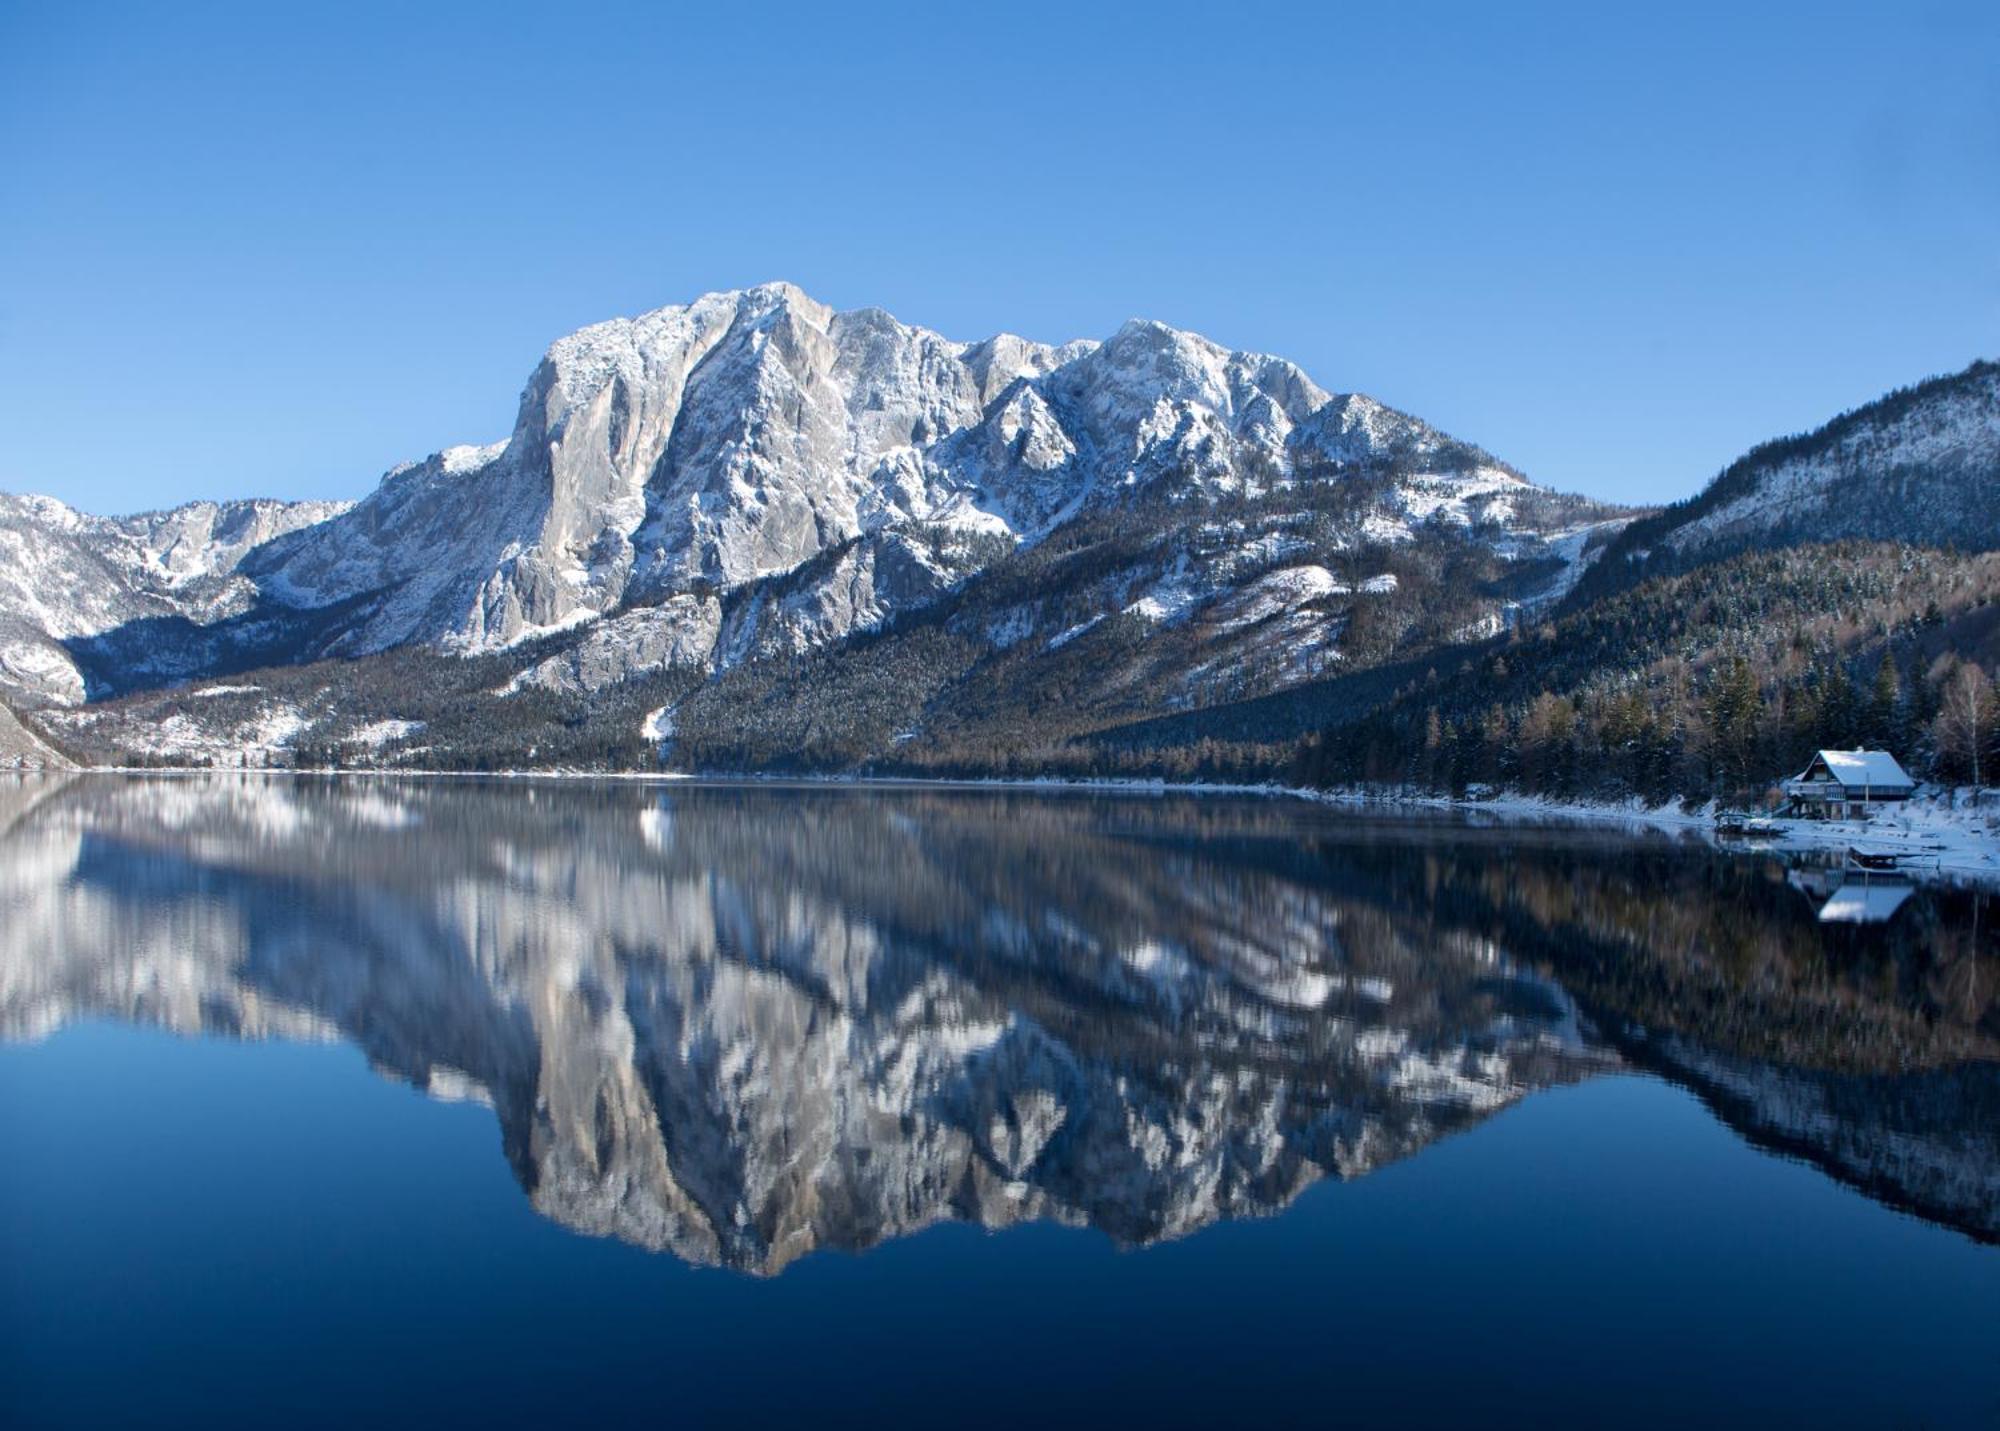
x=1841 y=784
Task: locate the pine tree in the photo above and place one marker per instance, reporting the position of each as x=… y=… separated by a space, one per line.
x=1885 y=705
x=1734 y=715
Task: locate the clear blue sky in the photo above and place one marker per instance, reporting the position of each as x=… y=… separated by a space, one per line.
x=275 y=249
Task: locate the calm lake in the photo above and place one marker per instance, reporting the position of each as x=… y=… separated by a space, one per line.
x=359 y=1102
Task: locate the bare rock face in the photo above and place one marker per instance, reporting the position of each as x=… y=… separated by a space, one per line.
x=22 y=749
x=720 y=443
x=678 y=634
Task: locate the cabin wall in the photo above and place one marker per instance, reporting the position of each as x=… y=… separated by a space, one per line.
x=1837 y=803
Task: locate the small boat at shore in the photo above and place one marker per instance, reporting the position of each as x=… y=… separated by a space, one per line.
x=1747 y=827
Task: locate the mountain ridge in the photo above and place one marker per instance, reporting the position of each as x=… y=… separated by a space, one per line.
x=753 y=532
x=1921 y=463
x=753 y=475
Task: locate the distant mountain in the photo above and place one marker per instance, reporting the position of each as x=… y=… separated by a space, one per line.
x=67 y=578
x=1921 y=465
x=755 y=477
x=756 y=533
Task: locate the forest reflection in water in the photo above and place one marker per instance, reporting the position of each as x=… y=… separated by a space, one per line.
x=741 y=1023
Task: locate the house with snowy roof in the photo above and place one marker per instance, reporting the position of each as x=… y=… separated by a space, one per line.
x=1840 y=784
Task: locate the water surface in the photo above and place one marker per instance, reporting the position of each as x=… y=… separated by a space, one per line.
x=733 y=1103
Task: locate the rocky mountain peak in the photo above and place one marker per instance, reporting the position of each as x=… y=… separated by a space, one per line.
x=707 y=447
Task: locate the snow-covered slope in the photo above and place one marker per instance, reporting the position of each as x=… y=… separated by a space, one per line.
x=22 y=749
x=741 y=436
x=1921 y=464
x=658 y=463
x=717 y=443
x=65 y=576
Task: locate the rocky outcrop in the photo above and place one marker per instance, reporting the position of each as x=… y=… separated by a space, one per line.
x=23 y=749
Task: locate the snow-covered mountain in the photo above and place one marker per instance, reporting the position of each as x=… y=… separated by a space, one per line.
x=1919 y=465
x=751 y=474
x=66 y=577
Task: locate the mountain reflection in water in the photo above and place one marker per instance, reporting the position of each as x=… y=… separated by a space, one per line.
x=742 y=1024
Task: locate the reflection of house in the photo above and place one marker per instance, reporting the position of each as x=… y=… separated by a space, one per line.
x=1873 y=902
x=1840 y=898
x=1842 y=783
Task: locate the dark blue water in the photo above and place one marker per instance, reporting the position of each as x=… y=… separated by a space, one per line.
x=1781 y=1224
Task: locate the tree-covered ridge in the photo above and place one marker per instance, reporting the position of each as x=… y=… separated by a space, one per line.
x=1919 y=464
x=1069 y=637
x=1717 y=681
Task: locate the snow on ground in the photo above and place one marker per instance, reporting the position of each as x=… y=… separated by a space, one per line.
x=1011 y=628
x=1938 y=834
x=22 y=749
x=1056 y=642
x=468 y=458
x=206 y=742
x=1279 y=591
x=44 y=667
x=1489 y=625
x=1568 y=547
x=1377 y=527
x=1483 y=495
x=568 y=621
x=380 y=733
x=272 y=729
x=1917 y=435
x=1172 y=597
x=1379 y=585
x=1259 y=552
x=1160 y=609
x=1944 y=833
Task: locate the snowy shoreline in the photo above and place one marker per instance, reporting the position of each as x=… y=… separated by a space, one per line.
x=1938 y=834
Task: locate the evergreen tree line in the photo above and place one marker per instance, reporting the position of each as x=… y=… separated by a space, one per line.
x=1718 y=682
